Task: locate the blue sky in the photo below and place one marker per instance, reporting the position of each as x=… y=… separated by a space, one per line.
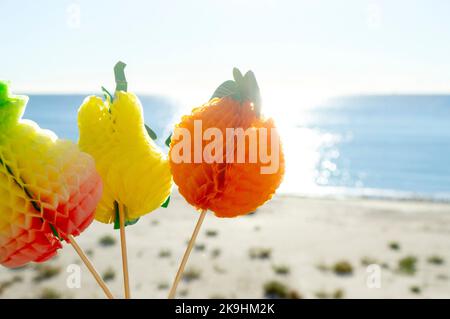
x=184 y=49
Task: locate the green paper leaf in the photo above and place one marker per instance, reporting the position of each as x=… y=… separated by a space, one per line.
x=117 y=218
x=252 y=91
x=127 y=222
x=237 y=75
x=119 y=75
x=243 y=88
x=168 y=140
x=150 y=132
x=166 y=203
x=55 y=232
x=227 y=88
x=106 y=94
x=116 y=215
x=131 y=222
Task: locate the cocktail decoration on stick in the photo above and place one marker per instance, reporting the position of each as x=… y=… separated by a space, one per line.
x=48 y=189
x=135 y=172
x=225 y=156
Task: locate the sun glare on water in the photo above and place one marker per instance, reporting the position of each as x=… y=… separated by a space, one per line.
x=309 y=153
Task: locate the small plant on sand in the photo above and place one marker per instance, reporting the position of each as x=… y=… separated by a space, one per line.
x=275 y=290
x=407 y=265
x=343 y=268
x=385 y=265
x=321 y=294
x=220 y=270
x=281 y=269
x=50 y=293
x=215 y=252
x=442 y=277
x=183 y=292
x=337 y=294
x=16 y=279
x=435 y=260
x=107 y=240
x=163 y=286
x=211 y=233
x=366 y=261
x=191 y=274
x=322 y=267
x=45 y=272
x=217 y=296
x=393 y=245
x=260 y=253
x=164 y=253
x=109 y=274
x=294 y=294
x=200 y=247
x=415 y=289
x=6 y=284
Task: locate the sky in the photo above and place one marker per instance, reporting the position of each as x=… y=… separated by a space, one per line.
x=299 y=50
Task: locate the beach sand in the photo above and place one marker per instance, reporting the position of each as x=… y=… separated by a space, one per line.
x=310 y=248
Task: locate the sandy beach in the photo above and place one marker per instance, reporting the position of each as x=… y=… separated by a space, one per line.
x=292 y=247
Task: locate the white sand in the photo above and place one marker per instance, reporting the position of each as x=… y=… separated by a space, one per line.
x=301 y=234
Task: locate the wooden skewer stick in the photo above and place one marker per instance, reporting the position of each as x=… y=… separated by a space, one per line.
x=191 y=243
x=89 y=265
x=123 y=244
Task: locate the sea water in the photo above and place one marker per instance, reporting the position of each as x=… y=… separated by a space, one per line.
x=377 y=146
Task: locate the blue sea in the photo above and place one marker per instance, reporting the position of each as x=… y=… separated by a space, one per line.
x=395 y=146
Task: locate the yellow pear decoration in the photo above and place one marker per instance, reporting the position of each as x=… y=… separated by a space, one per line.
x=135 y=173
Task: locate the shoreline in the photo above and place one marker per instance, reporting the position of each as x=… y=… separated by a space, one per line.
x=347 y=194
